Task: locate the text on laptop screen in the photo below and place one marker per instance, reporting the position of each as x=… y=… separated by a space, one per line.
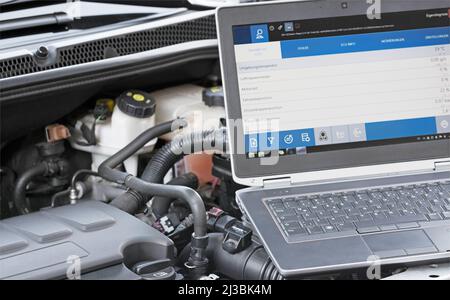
x=330 y=84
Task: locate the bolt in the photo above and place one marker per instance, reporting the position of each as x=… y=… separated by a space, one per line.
x=73 y=195
x=42 y=52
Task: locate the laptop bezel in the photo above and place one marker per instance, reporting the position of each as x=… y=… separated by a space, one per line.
x=327 y=166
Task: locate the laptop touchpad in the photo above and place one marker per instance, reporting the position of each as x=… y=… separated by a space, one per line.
x=399 y=244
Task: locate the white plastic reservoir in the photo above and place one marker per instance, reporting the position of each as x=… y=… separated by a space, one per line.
x=133 y=114
x=187 y=101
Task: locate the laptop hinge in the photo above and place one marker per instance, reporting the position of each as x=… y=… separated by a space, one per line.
x=277 y=182
x=442 y=166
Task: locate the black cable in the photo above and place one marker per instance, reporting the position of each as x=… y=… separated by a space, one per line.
x=170 y=154
x=132 y=201
x=191 y=197
x=21 y=186
x=43 y=190
x=164 y=160
x=161 y=205
x=108 y=168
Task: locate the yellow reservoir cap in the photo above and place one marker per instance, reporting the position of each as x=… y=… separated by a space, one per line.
x=136 y=103
x=138 y=97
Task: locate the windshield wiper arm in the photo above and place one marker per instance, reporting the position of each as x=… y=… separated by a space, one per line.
x=11 y=2
x=58 y=18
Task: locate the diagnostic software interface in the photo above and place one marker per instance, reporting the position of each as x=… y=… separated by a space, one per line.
x=330 y=84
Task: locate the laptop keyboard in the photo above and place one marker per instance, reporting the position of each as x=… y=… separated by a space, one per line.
x=363 y=211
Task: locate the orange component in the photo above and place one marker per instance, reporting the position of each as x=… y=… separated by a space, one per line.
x=201 y=165
x=57 y=132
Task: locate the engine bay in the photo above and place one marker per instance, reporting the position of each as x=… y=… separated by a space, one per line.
x=62 y=194
x=154 y=164
x=115 y=160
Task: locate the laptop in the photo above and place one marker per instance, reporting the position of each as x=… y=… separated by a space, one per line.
x=339 y=121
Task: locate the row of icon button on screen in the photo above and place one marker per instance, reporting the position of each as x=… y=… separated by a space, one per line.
x=324 y=136
x=288 y=139
x=333 y=135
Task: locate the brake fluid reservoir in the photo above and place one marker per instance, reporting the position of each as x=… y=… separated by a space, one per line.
x=133 y=113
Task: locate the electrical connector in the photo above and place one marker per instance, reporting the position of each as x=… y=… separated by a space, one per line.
x=238 y=237
x=167 y=224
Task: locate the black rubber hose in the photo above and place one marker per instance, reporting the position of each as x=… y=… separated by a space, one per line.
x=161 y=205
x=108 y=168
x=131 y=201
x=191 y=197
x=21 y=186
x=170 y=154
x=166 y=158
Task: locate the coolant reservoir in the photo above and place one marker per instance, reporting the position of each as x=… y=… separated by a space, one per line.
x=203 y=109
x=192 y=102
x=133 y=114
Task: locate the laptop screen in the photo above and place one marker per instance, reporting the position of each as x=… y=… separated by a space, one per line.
x=320 y=85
